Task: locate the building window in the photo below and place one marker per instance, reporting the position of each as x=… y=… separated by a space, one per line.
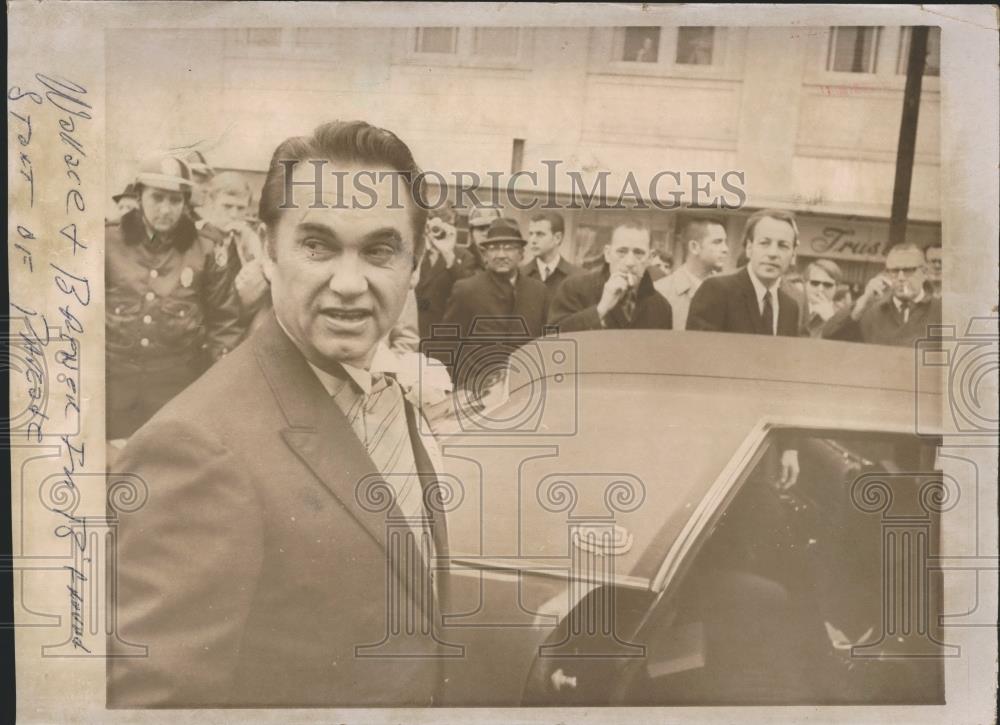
x=263 y=37
x=495 y=42
x=933 y=62
x=695 y=45
x=637 y=45
x=853 y=50
x=437 y=40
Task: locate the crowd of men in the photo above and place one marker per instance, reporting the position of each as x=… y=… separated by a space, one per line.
x=293 y=502
x=187 y=282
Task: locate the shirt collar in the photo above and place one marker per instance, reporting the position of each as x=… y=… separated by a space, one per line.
x=686 y=280
x=332 y=384
x=760 y=288
x=542 y=266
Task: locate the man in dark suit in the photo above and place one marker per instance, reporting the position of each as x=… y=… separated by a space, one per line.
x=500 y=305
x=896 y=307
x=545 y=236
x=617 y=295
x=257 y=571
x=443 y=263
x=750 y=300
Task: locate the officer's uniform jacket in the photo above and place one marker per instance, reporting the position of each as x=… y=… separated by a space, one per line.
x=167 y=302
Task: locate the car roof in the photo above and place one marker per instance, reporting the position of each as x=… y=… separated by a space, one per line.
x=749 y=357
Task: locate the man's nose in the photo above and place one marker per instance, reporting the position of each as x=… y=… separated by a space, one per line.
x=348 y=278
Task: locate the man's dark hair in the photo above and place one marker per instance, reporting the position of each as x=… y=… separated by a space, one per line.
x=347 y=142
x=696 y=229
x=555 y=220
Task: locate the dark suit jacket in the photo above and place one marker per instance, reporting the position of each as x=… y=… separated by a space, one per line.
x=434 y=287
x=575 y=305
x=253 y=571
x=563 y=270
x=882 y=323
x=728 y=303
x=485 y=306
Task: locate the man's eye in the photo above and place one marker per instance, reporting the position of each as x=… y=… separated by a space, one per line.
x=382 y=252
x=314 y=245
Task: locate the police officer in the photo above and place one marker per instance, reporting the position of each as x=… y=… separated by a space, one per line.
x=170 y=309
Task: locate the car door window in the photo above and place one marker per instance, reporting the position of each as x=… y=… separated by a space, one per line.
x=819 y=593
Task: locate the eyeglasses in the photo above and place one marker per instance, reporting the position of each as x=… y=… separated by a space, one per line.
x=501 y=247
x=821 y=283
x=907 y=271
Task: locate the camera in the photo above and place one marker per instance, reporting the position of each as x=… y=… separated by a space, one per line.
x=436 y=229
x=507 y=384
x=963 y=371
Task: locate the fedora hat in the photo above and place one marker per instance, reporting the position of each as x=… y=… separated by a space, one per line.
x=503 y=230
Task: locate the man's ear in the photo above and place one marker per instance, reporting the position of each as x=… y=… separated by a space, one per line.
x=559 y=238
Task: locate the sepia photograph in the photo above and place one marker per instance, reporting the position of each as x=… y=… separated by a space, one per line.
x=534 y=364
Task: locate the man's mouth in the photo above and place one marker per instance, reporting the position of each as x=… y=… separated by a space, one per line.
x=342 y=314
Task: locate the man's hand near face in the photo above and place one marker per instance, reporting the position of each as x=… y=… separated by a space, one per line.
x=877 y=287
x=614 y=290
x=251 y=285
x=443 y=237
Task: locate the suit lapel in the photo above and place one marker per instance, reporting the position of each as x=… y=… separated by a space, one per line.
x=751 y=306
x=318 y=431
x=428 y=478
x=788 y=315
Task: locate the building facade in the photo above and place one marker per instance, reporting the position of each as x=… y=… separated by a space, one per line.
x=808 y=116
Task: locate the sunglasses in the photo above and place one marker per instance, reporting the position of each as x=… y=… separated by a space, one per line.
x=907 y=271
x=820 y=283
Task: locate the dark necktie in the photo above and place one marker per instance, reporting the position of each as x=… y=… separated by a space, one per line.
x=767 y=316
x=904 y=311
x=628 y=305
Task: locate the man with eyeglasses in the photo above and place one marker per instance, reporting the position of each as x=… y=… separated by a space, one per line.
x=617 y=295
x=894 y=309
x=495 y=305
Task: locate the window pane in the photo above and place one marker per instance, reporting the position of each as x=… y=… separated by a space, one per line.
x=853 y=50
x=933 y=63
x=264 y=37
x=695 y=45
x=496 y=42
x=436 y=40
x=637 y=45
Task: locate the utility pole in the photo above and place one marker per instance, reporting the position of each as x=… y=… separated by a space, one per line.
x=907 y=135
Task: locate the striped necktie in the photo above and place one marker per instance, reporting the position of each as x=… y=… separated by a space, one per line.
x=628 y=303
x=383 y=428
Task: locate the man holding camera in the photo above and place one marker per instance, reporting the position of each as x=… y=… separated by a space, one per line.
x=895 y=308
x=443 y=263
x=618 y=295
x=499 y=302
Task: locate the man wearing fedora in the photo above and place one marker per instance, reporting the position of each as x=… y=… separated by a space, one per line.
x=496 y=305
